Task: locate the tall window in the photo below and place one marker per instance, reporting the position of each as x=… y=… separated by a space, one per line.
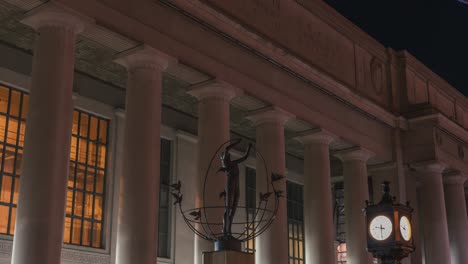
x=295 y=223
x=13 y=107
x=86 y=179
x=164 y=238
x=251 y=205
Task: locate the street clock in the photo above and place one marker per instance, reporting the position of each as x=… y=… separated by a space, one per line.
x=389 y=228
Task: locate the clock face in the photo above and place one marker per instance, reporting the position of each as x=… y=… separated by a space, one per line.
x=405 y=228
x=381 y=228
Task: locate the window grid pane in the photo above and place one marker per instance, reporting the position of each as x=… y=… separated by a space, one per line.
x=86 y=180
x=251 y=205
x=164 y=238
x=85 y=196
x=11 y=150
x=295 y=223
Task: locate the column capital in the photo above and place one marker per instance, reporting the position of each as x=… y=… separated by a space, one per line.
x=454 y=177
x=214 y=89
x=428 y=167
x=55 y=15
x=144 y=56
x=315 y=136
x=270 y=114
x=355 y=153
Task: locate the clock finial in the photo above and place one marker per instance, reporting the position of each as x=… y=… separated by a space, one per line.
x=387 y=197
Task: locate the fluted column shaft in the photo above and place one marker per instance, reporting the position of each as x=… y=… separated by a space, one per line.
x=457 y=219
x=432 y=214
x=213 y=130
x=318 y=208
x=42 y=195
x=272 y=245
x=356 y=193
x=137 y=238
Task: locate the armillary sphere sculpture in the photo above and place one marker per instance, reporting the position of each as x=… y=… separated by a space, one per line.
x=224 y=221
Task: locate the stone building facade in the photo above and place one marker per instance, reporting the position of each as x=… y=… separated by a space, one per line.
x=105 y=103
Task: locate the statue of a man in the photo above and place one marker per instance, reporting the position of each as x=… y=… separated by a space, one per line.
x=231 y=189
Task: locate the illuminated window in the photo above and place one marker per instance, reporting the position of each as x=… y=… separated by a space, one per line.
x=86 y=180
x=341 y=251
x=13 y=107
x=164 y=238
x=295 y=223
x=251 y=205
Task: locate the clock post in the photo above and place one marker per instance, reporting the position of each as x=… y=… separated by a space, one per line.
x=389 y=229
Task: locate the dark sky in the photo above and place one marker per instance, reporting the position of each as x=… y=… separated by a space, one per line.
x=434 y=31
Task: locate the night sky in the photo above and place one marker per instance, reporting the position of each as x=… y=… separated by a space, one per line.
x=434 y=31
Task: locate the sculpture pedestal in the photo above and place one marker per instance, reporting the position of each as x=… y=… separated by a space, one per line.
x=228 y=257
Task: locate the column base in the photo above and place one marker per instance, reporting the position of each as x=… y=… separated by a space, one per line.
x=228 y=257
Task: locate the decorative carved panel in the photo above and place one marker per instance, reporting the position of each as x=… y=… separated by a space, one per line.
x=296 y=29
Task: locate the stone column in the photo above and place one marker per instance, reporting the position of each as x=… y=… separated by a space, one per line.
x=42 y=196
x=272 y=245
x=318 y=208
x=356 y=193
x=432 y=213
x=137 y=239
x=213 y=130
x=456 y=216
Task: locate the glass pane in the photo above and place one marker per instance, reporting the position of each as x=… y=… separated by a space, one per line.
x=13 y=220
x=84 y=125
x=15 y=194
x=103 y=131
x=22 y=131
x=92 y=149
x=90 y=179
x=9 y=161
x=19 y=159
x=15 y=103
x=73 y=148
x=6 y=189
x=12 y=131
x=87 y=233
x=4 y=99
x=97 y=235
x=4 y=212
x=93 y=130
x=80 y=174
x=102 y=156
x=24 y=111
x=89 y=206
x=82 y=149
x=75 y=123
x=71 y=175
x=76 y=233
x=2 y=128
x=98 y=208
x=66 y=238
x=69 y=202
x=78 y=203
x=100 y=181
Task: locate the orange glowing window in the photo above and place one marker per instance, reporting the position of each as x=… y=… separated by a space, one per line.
x=86 y=179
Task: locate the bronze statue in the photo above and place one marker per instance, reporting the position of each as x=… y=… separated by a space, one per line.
x=231 y=189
